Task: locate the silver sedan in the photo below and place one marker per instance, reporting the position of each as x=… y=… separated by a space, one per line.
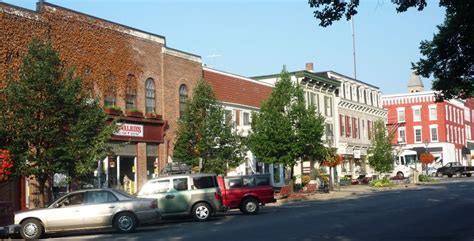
x=89 y=209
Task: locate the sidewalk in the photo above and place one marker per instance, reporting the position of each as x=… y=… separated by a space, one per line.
x=344 y=192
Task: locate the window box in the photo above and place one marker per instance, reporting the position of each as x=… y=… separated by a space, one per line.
x=153 y=116
x=134 y=113
x=113 y=110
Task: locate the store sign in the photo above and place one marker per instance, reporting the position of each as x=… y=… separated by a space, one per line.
x=356 y=153
x=129 y=130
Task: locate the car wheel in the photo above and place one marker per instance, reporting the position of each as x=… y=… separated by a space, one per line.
x=250 y=206
x=201 y=212
x=400 y=175
x=31 y=229
x=450 y=175
x=468 y=174
x=458 y=174
x=125 y=222
x=439 y=174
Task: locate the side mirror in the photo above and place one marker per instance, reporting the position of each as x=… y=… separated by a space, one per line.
x=193 y=187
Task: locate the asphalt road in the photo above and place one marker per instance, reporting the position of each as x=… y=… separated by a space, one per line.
x=431 y=212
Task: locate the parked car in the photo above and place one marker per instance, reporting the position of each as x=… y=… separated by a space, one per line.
x=89 y=209
x=431 y=171
x=7 y=220
x=197 y=195
x=247 y=193
x=454 y=169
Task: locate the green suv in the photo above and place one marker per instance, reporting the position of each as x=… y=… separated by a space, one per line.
x=197 y=195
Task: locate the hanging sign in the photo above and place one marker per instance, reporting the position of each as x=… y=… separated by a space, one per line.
x=129 y=130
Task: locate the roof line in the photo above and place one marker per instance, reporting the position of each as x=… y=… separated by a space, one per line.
x=347 y=77
x=236 y=76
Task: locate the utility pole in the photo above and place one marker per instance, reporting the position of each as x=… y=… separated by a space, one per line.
x=353 y=47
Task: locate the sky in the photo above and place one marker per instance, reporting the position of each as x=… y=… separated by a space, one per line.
x=258 y=37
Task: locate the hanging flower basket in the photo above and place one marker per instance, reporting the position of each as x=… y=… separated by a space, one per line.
x=337 y=160
x=5 y=165
x=426 y=158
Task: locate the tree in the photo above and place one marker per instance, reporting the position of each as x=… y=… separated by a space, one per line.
x=380 y=151
x=205 y=134
x=50 y=122
x=449 y=56
x=285 y=130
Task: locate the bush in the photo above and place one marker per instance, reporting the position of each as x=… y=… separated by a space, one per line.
x=381 y=183
x=425 y=178
x=317 y=172
x=305 y=180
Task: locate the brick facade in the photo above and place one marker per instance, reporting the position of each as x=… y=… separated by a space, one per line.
x=109 y=57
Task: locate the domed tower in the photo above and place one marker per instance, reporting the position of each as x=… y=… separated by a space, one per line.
x=414 y=83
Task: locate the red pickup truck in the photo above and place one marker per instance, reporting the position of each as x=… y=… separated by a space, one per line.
x=7 y=215
x=247 y=193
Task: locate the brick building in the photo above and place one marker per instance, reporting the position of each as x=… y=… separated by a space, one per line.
x=241 y=96
x=124 y=67
x=421 y=124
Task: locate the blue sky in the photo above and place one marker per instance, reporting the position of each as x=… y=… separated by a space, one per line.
x=258 y=37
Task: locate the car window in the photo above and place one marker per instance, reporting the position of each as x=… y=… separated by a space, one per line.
x=204 y=182
x=262 y=181
x=234 y=182
x=157 y=186
x=248 y=182
x=180 y=184
x=71 y=200
x=96 y=197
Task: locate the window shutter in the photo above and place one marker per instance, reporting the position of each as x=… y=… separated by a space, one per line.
x=341 y=125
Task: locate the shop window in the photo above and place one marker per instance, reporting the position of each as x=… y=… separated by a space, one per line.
x=150 y=95
x=183 y=98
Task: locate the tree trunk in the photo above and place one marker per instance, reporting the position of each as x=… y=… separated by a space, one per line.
x=44 y=184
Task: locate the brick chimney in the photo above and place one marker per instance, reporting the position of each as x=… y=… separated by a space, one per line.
x=309 y=67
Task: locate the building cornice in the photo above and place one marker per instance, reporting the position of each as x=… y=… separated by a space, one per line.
x=236 y=76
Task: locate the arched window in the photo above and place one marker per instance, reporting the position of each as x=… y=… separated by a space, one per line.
x=183 y=97
x=150 y=95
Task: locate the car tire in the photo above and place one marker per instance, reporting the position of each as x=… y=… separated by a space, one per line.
x=468 y=174
x=201 y=212
x=400 y=175
x=125 y=222
x=449 y=175
x=31 y=229
x=458 y=174
x=249 y=206
x=439 y=174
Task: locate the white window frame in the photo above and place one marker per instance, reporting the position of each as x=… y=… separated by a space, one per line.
x=404 y=139
x=400 y=109
x=431 y=133
x=433 y=112
x=243 y=118
x=415 y=128
x=416 y=118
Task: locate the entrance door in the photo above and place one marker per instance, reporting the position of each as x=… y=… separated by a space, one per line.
x=127 y=173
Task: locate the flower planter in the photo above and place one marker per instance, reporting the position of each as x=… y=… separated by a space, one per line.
x=345 y=182
x=153 y=116
x=134 y=114
x=113 y=111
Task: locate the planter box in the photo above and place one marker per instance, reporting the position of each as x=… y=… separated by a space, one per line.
x=153 y=116
x=134 y=114
x=345 y=182
x=113 y=112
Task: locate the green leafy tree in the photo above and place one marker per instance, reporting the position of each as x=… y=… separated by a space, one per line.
x=380 y=152
x=449 y=56
x=205 y=134
x=285 y=130
x=49 y=121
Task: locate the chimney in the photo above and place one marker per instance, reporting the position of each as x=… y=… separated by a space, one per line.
x=309 y=67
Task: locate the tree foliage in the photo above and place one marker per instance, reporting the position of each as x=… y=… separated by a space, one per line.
x=205 y=133
x=448 y=57
x=380 y=151
x=285 y=130
x=49 y=121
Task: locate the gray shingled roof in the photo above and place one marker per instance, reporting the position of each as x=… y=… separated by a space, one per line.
x=415 y=80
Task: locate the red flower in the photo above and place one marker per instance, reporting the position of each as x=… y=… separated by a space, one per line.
x=334 y=162
x=6 y=165
x=426 y=158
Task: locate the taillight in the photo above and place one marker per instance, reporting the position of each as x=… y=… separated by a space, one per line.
x=154 y=204
x=217 y=196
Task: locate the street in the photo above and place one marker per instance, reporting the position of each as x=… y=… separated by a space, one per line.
x=440 y=211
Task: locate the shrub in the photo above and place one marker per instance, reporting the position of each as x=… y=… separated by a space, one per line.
x=425 y=178
x=317 y=172
x=381 y=183
x=305 y=180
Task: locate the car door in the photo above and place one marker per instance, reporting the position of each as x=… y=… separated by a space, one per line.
x=67 y=213
x=158 y=189
x=178 y=199
x=100 y=207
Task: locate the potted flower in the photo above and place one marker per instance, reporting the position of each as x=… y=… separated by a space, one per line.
x=113 y=110
x=134 y=112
